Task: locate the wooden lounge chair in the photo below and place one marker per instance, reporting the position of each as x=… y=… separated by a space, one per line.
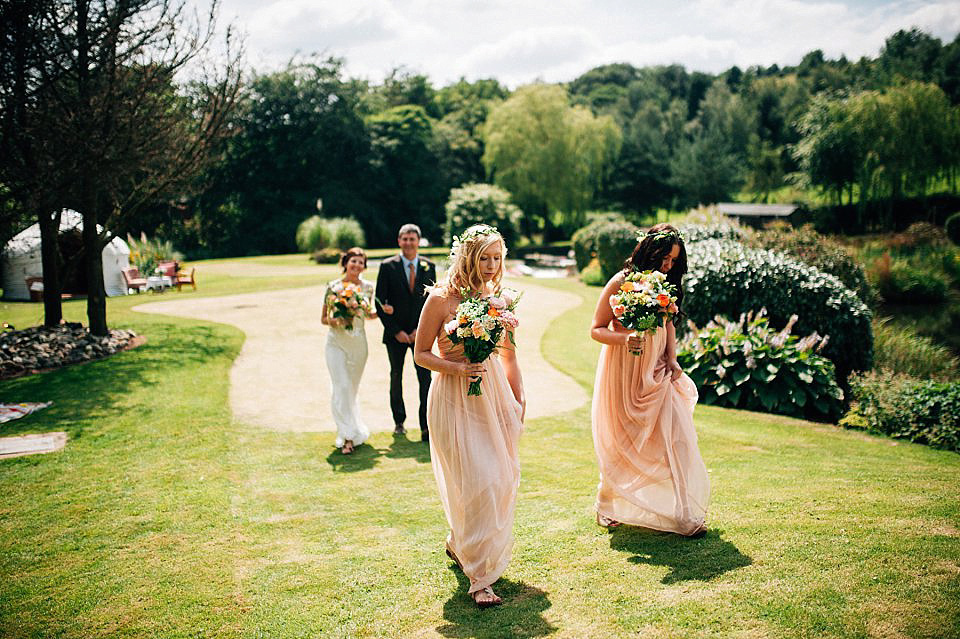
x=133 y=279
x=187 y=277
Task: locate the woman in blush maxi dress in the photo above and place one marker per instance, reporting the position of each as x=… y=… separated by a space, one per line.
x=473 y=439
x=651 y=471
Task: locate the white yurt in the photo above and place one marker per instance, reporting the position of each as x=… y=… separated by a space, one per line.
x=21 y=259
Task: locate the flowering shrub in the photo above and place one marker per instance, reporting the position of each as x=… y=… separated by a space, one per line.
x=729 y=279
x=747 y=364
x=901 y=406
x=713 y=231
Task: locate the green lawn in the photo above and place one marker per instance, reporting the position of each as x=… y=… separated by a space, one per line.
x=163 y=518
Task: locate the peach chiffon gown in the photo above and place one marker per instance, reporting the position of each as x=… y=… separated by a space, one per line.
x=651 y=472
x=473 y=450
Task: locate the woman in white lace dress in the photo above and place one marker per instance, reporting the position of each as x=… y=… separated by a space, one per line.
x=346 y=350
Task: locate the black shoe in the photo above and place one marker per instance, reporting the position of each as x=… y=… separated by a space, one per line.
x=399 y=430
x=425 y=436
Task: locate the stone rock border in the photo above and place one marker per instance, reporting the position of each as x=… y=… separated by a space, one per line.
x=44 y=348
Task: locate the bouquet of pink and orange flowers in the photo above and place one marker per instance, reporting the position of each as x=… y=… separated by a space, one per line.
x=347 y=301
x=479 y=325
x=645 y=301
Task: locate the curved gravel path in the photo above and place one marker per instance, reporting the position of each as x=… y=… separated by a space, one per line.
x=280 y=381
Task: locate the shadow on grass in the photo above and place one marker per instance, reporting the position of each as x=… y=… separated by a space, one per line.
x=363 y=457
x=688 y=559
x=521 y=614
x=401 y=447
x=84 y=392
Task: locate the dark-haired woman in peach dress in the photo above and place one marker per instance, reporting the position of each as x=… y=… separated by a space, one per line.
x=651 y=472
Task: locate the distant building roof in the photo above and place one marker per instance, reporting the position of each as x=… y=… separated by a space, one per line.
x=756 y=210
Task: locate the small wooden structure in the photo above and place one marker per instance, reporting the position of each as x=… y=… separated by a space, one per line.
x=756 y=214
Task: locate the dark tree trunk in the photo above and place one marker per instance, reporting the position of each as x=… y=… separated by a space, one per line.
x=50 y=258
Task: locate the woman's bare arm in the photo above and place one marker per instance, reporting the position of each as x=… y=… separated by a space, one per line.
x=600 y=330
x=431 y=319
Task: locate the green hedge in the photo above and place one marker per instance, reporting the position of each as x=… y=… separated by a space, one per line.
x=901 y=406
x=730 y=279
x=749 y=365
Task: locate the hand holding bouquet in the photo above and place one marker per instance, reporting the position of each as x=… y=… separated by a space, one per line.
x=346 y=301
x=479 y=325
x=645 y=301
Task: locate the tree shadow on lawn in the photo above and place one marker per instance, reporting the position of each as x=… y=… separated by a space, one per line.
x=363 y=457
x=402 y=447
x=688 y=559
x=520 y=615
x=102 y=388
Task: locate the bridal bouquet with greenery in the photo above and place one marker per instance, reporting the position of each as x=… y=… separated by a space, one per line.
x=645 y=301
x=479 y=325
x=347 y=301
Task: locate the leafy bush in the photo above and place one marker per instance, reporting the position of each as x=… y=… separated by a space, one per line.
x=146 y=254
x=748 y=364
x=898 y=349
x=818 y=251
x=326 y=256
x=316 y=233
x=714 y=231
x=615 y=242
x=901 y=406
x=584 y=240
x=482 y=204
x=592 y=275
x=952 y=228
x=900 y=282
x=920 y=234
x=727 y=278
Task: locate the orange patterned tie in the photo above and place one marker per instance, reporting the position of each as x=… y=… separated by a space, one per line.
x=413 y=275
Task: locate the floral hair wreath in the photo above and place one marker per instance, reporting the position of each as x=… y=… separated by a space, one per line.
x=480 y=231
x=642 y=235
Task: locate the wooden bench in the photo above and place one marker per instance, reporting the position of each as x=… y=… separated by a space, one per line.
x=187 y=277
x=133 y=279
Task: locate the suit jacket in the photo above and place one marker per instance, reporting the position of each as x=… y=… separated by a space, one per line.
x=393 y=287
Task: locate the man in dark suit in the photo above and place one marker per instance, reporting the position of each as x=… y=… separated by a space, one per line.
x=400 y=285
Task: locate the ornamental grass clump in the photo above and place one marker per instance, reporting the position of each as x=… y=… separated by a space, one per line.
x=727 y=278
x=747 y=364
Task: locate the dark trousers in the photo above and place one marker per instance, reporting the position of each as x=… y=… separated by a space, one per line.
x=398 y=354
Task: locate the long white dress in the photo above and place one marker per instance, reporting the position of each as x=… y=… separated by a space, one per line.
x=346 y=354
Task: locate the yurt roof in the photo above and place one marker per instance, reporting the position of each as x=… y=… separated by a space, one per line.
x=28 y=239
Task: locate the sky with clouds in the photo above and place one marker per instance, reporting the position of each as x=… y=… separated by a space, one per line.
x=520 y=41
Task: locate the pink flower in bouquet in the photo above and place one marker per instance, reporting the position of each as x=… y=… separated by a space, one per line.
x=497 y=303
x=673 y=308
x=451 y=326
x=509 y=319
x=507 y=295
x=619 y=310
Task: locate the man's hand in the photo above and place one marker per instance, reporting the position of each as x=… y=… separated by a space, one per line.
x=403 y=337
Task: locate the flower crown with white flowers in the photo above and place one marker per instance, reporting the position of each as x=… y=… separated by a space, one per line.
x=480 y=230
x=659 y=235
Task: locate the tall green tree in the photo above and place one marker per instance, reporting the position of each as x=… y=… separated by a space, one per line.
x=407 y=185
x=299 y=138
x=551 y=156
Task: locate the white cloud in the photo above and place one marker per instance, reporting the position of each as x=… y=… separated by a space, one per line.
x=519 y=41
